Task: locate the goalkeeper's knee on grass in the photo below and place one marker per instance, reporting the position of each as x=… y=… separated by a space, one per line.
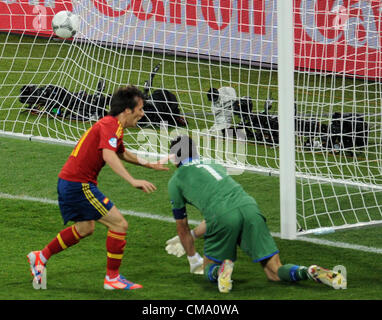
x=292 y=273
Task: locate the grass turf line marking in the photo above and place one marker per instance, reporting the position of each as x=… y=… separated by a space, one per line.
x=124 y=212
x=336 y=244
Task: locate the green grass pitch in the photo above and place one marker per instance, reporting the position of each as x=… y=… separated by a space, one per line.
x=31 y=168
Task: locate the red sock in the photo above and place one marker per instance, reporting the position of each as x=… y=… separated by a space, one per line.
x=115 y=244
x=65 y=239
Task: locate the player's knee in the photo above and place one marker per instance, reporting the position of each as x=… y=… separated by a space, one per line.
x=88 y=232
x=115 y=221
x=120 y=225
x=123 y=224
x=85 y=229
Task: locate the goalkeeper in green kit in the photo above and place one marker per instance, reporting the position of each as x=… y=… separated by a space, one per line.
x=231 y=218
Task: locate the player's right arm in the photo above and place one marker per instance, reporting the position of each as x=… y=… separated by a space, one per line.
x=182 y=227
x=179 y=212
x=174 y=245
x=194 y=258
x=185 y=236
x=112 y=159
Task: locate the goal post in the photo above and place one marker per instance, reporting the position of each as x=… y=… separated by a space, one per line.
x=285 y=63
x=284 y=88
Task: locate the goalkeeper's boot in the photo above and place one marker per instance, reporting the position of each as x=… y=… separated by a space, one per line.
x=328 y=277
x=224 y=276
x=120 y=283
x=37 y=265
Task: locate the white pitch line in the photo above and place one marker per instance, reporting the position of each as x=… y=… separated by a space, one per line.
x=336 y=244
x=324 y=242
x=125 y=212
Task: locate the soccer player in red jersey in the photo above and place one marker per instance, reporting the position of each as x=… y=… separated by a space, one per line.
x=79 y=198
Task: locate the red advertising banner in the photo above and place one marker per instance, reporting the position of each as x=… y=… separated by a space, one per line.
x=342 y=36
x=30 y=16
x=339 y=36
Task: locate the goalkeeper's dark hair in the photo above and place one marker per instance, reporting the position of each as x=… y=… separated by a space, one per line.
x=123 y=98
x=183 y=147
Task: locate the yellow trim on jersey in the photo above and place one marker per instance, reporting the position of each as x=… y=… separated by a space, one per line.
x=62 y=243
x=115 y=256
x=116 y=236
x=93 y=200
x=78 y=146
x=119 y=130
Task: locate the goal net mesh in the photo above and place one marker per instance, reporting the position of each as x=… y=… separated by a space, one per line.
x=54 y=90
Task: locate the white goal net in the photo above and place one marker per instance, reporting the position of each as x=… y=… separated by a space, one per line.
x=339 y=101
x=209 y=68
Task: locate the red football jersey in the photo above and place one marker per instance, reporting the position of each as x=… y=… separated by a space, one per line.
x=86 y=160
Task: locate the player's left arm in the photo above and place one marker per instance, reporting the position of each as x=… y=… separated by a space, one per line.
x=134 y=159
x=199 y=230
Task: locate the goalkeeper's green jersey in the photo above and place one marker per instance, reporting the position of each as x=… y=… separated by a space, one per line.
x=208 y=187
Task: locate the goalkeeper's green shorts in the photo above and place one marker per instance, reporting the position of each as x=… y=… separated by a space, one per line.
x=244 y=226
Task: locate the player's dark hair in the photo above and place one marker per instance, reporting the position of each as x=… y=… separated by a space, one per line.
x=123 y=98
x=183 y=147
